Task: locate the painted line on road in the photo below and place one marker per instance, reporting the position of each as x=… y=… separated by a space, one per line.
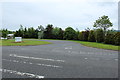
x=116 y=59
x=68 y=47
x=85 y=58
x=27 y=57
x=23 y=62
x=21 y=73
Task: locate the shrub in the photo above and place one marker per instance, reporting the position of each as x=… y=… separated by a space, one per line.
x=117 y=38
x=109 y=39
x=80 y=36
x=99 y=35
x=85 y=35
x=69 y=33
x=91 y=36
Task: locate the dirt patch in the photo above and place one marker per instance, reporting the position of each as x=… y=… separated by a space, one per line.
x=19 y=42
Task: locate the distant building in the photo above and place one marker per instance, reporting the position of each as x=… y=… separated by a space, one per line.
x=10 y=36
x=2 y=38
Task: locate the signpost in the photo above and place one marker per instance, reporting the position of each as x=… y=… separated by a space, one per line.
x=18 y=39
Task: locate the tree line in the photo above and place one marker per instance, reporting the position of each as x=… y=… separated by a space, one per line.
x=101 y=32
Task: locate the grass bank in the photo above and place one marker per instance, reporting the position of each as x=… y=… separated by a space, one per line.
x=98 y=45
x=23 y=43
x=93 y=44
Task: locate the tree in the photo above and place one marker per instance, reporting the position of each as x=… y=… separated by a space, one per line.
x=48 y=32
x=21 y=30
x=25 y=33
x=31 y=32
x=80 y=36
x=85 y=35
x=99 y=35
x=4 y=33
x=55 y=32
x=69 y=33
x=91 y=36
x=77 y=34
x=60 y=35
x=40 y=30
x=103 y=23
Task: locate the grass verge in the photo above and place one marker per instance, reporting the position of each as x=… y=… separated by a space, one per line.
x=24 y=43
x=98 y=45
x=93 y=44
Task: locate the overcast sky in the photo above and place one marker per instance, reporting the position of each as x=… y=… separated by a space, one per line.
x=61 y=13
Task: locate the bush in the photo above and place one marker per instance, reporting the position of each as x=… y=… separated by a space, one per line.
x=80 y=36
x=85 y=35
x=91 y=36
x=109 y=39
x=69 y=34
x=117 y=38
x=99 y=35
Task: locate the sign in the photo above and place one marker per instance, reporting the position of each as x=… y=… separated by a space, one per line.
x=18 y=39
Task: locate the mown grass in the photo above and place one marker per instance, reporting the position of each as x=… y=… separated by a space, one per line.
x=27 y=42
x=98 y=45
x=94 y=44
x=23 y=43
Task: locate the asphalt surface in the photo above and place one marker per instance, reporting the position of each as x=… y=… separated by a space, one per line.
x=62 y=59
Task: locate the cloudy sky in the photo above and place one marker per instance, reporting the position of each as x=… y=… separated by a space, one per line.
x=62 y=13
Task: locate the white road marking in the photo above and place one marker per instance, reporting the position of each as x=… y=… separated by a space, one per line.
x=27 y=57
x=50 y=65
x=21 y=73
x=116 y=59
x=85 y=58
x=68 y=47
x=69 y=51
x=47 y=65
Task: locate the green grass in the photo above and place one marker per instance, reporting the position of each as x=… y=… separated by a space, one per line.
x=93 y=44
x=50 y=39
x=24 y=43
x=98 y=45
x=27 y=42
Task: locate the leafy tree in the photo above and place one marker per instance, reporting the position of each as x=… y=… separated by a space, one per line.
x=77 y=34
x=21 y=30
x=60 y=35
x=80 y=36
x=85 y=35
x=55 y=32
x=4 y=33
x=99 y=35
x=91 y=36
x=48 y=32
x=40 y=30
x=103 y=23
x=31 y=32
x=26 y=34
x=69 y=33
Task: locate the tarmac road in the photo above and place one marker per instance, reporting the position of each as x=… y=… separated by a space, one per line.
x=62 y=59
